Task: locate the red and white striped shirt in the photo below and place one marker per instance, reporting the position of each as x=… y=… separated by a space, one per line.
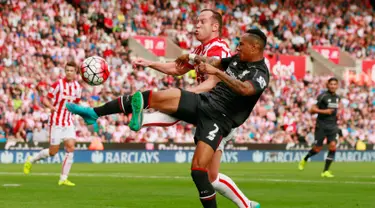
x=216 y=48
x=60 y=93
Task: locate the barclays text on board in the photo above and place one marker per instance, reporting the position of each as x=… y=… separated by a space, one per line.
x=181 y=156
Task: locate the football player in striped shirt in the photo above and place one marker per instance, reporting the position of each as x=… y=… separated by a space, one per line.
x=61 y=122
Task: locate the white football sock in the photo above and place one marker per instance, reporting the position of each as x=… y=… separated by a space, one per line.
x=158 y=119
x=67 y=164
x=226 y=187
x=41 y=155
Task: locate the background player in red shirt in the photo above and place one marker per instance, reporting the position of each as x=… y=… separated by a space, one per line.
x=60 y=121
x=207 y=31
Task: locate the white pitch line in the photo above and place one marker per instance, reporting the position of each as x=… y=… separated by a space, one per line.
x=11 y=185
x=373 y=176
x=124 y=175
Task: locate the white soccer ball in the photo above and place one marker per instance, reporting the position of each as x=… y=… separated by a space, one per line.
x=94 y=70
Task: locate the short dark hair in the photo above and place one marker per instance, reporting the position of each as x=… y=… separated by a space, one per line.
x=333 y=79
x=72 y=64
x=258 y=34
x=216 y=16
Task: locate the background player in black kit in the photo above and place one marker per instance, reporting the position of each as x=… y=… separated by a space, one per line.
x=241 y=80
x=326 y=126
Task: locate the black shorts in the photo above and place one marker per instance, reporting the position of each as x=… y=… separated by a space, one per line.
x=211 y=126
x=325 y=132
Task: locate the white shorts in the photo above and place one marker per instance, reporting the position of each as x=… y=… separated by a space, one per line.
x=226 y=139
x=59 y=133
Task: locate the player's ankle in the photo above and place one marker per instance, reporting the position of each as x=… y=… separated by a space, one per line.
x=63 y=177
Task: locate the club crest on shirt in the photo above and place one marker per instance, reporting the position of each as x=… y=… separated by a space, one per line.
x=243 y=74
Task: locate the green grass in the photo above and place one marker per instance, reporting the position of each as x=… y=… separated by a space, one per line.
x=169 y=185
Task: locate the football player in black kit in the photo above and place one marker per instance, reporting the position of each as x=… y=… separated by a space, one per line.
x=241 y=80
x=326 y=126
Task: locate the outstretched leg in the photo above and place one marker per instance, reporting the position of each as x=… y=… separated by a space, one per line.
x=165 y=101
x=168 y=101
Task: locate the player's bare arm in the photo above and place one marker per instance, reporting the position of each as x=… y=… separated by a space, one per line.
x=196 y=59
x=205 y=86
x=47 y=102
x=209 y=60
x=242 y=88
x=315 y=109
x=170 y=68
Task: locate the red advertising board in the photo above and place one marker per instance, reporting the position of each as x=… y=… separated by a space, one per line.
x=329 y=52
x=155 y=44
x=368 y=68
x=286 y=65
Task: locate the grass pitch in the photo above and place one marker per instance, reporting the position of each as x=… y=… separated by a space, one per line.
x=274 y=185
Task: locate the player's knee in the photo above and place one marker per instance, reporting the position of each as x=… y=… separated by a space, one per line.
x=199 y=163
x=69 y=148
x=317 y=149
x=53 y=150
x=196 y=163
x=332 y=146
x=69 y=145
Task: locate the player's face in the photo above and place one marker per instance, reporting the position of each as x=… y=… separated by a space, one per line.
x=70 y=72
x=245 y=48
x=332 y=86
x=205 y=27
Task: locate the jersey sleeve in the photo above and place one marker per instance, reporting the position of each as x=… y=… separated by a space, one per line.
x=53 y=90
x=217 y=52
x=259 y=80
x=319 y=101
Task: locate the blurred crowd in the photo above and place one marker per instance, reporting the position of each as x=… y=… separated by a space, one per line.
x=38 y=37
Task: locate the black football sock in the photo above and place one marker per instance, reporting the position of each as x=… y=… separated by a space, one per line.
x=329 y=160
x=310 y=154
x=120 y=105
x=207 y=193
x=146 y=98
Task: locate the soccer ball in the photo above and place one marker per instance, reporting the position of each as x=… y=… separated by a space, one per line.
x=94 y=70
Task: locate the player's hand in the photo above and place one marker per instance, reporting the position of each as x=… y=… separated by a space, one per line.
x=141 y=62
x=53 y=109
x=207 y=68
x=182 y=60
x=329 y=111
